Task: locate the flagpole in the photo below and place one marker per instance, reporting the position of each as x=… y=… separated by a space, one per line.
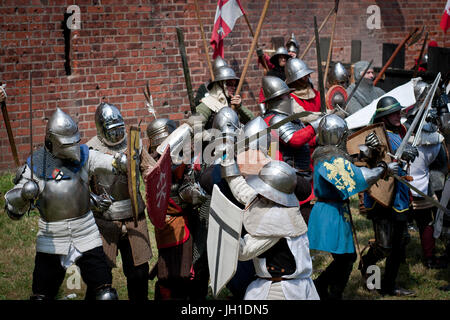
x=252 y=48
x=264 y=62
x=197 y=10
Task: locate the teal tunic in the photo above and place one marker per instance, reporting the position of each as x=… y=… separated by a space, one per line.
x=329 y=229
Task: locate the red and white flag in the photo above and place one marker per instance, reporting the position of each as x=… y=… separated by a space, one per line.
x=445 y=20
x=228 y=11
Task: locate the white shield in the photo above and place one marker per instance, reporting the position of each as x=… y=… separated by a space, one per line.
x=224 y=232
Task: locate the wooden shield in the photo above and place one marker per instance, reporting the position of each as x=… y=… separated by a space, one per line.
x=335 y=93
x=133 y=164
x=383 y=190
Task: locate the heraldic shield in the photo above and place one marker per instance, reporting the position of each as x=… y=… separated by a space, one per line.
x=157 y=186
x=224 y=232
x=383 y=190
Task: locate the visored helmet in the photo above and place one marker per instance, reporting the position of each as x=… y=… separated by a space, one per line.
x=158 y=130
x=332 y=131
x=339 y=74
x=254 y=126
x=292 y=45
x=62 y=137
x=110 y=124
x=226 y=121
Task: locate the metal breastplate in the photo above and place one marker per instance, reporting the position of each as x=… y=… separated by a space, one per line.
x=64 y=199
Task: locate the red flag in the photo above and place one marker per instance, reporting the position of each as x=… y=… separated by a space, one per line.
x=228 y=11
x=157 y=186
x=445 y=20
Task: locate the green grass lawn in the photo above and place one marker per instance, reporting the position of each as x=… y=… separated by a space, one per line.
x=17 y=247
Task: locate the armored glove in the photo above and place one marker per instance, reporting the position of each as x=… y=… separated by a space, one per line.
x=392 y=168
x=100 y=203
x=372 y=141
x=120 y=163
x=410 y=153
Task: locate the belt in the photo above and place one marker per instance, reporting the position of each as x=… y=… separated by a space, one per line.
x=274 y=279
x=330 y=200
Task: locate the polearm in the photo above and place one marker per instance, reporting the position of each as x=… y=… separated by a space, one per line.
x=31 y=129
x=264 y=62
x=416 y=68
x=323 y=106
x=330 y=49
x=205 y=45
x=252 y=47
x=12 y=144
x=187 y=74
x=320 y=29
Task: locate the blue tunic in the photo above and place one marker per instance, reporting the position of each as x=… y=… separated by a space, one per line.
x=401 y=191
x=329 y=227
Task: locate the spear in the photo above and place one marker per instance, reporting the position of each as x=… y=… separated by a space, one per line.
x=252 y=47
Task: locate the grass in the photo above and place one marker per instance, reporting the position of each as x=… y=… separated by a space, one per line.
x=17 y=247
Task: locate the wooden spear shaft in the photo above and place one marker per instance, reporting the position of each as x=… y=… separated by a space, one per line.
x=205 y=45
x=330 y=49
x=264 y=62
x=314 y=37
x=252 y=47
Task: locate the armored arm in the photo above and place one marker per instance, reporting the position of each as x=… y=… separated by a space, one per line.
x=18 y=199
x=380 y=171
x=101 y=163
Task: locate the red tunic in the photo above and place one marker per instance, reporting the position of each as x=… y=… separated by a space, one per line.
x=312 y=105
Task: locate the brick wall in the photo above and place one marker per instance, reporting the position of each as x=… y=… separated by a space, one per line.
x=122 y=44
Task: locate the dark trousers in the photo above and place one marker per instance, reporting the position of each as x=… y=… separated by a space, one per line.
x=137 y=276
x=394 y=255
x=48 y=273
x=332 y=281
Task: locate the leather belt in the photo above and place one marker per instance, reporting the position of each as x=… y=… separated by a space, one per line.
x=274 y=279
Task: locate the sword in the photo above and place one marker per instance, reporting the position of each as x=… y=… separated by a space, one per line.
x=187 y=75
x=356 y=86
x=323 y=106
x=425 y=196
x=420 y=115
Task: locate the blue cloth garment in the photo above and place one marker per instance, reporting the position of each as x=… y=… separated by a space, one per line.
x=329 y=228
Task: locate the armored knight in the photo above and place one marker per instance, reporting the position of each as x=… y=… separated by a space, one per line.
x=181 y=269
x=59 y=188
x=295 y=138
x=366 y=91
x=390 y=224
x=276 y=238
x=116 y=222
x=336 y=179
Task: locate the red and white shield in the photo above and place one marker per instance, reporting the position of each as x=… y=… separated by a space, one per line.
x=157 y=185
